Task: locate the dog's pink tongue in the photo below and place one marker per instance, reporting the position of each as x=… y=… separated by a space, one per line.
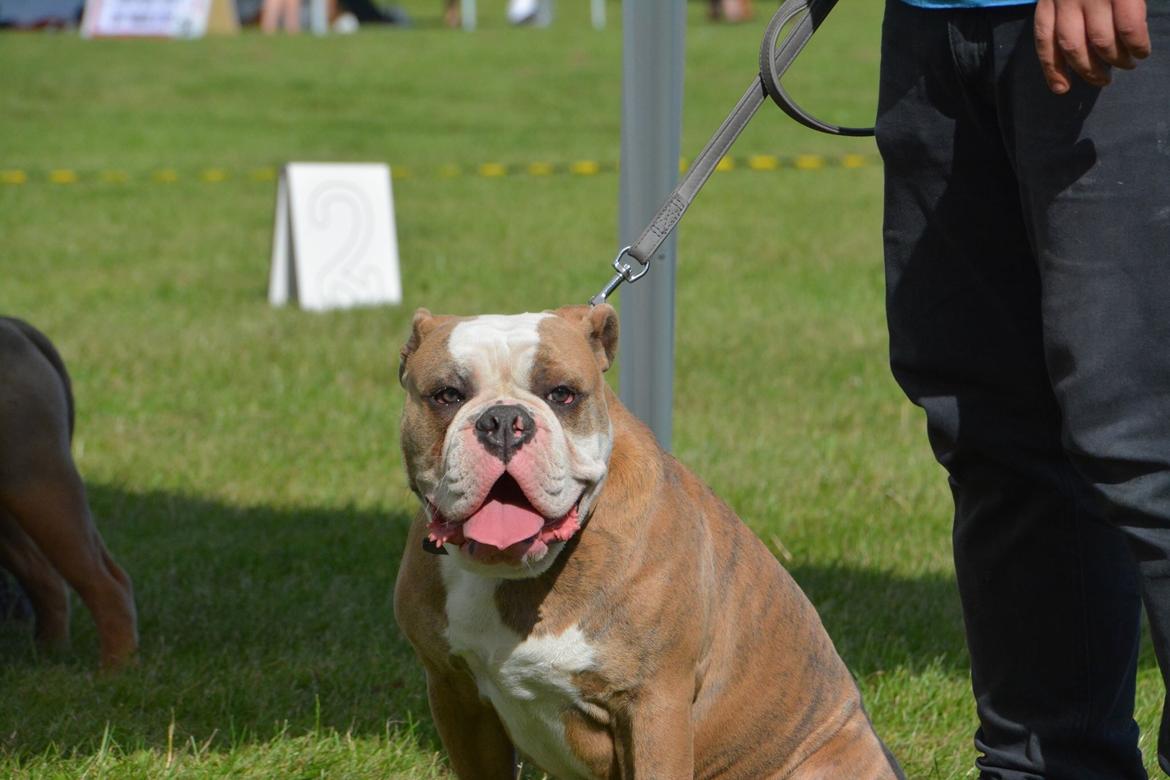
x=502 y=525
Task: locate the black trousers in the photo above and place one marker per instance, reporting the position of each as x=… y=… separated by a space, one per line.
x=1027 y=240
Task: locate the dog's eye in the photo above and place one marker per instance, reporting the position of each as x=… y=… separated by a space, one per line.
x=561 y=396
x=448 y=396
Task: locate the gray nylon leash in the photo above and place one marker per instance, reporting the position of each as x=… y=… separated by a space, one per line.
x=774 y=61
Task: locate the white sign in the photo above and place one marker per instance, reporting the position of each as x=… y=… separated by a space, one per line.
x=145 y=18
x=334 y=245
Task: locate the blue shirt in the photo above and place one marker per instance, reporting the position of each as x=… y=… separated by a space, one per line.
x=966 y=3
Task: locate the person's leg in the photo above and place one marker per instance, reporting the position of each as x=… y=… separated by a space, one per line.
x=270 y=16
x=277 y=13
x=1048 y=590
x=1095 y=173
x=292 y=16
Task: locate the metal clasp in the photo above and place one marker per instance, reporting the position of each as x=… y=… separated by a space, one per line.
x=625 y=273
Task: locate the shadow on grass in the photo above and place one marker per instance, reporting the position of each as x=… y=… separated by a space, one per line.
x=258 y=621
x=880 y=621
x=254 y=621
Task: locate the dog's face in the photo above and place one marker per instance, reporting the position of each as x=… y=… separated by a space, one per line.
x=505 y=431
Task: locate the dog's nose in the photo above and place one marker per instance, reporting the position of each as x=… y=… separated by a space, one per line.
x=503 y=429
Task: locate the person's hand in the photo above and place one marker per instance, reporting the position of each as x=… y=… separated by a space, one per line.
x=1088 y=37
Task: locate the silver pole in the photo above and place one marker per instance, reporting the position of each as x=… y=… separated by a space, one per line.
x=652 y=88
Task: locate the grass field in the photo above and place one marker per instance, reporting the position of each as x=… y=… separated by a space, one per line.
x=242 y=460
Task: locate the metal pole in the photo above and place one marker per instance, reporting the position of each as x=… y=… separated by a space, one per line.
x=652 y=88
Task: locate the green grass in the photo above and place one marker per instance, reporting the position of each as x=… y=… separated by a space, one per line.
x=243 y=462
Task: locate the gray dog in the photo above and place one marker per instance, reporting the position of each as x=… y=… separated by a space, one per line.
x=47 y=535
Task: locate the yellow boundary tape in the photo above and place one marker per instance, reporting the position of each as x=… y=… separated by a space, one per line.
x=13 y=177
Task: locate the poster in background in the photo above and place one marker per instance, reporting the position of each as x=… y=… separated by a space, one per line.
x=158 y=18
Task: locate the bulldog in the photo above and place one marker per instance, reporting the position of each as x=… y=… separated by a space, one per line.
x=575 y=594
x=47 y=535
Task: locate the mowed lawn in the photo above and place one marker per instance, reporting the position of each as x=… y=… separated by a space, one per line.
x=243 y=461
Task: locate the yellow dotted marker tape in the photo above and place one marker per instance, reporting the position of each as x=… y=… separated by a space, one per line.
x=763 y=162
x=585 y=168
x=14 y=177
x=809 y=162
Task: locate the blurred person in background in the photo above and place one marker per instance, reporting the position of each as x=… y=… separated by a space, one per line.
x=275 y=14
x=519 y=12
x=730 y=10
x=343 y=15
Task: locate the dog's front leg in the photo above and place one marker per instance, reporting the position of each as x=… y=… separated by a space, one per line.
x=654 y=734
x=472 y=734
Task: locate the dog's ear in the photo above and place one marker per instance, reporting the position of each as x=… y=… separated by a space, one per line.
x=603 y=331
x=600 y=324
x=424 y=322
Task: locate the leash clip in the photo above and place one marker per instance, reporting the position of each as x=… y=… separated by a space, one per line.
x=625 y=273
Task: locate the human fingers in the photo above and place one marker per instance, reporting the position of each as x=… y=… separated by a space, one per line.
x=1073 y=43
x=1129 y=21
x=1051 y=61
x=1102 y=37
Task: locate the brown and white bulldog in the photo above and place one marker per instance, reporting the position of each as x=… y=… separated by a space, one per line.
x=576 y=594
x=47 y=535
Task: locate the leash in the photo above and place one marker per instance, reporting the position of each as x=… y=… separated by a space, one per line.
x=774 y=61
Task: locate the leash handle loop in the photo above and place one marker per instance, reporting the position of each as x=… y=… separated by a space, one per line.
x=774 y=61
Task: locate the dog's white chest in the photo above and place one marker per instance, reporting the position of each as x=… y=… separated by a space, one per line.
x=528 y=681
